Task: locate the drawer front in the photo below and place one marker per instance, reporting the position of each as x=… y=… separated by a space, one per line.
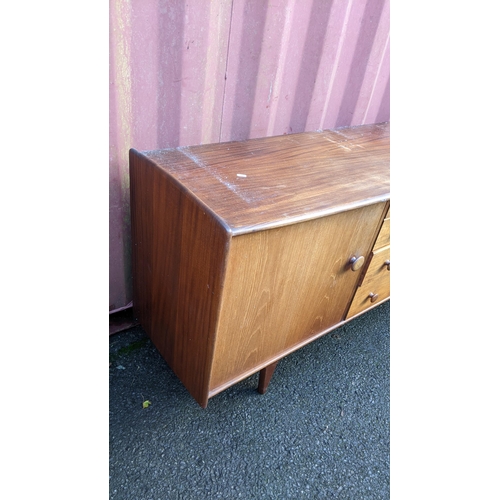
x=376 y=284
x=384 y=236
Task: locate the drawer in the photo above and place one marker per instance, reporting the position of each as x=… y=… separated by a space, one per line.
x=375 y=287
x=384 y=236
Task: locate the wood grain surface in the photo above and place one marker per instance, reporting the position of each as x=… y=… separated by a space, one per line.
x=376 y=280
x=285 y=285
x=273 y=181
x=241 y=252
x=178 y=253
x=384 y=236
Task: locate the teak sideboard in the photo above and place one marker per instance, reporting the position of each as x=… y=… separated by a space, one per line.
x=243 y=252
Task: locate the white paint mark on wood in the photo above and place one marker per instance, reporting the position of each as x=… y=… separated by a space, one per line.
x=232 y=187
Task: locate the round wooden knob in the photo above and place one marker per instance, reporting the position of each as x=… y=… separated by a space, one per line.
x=388 y=264
x=357 y=262
x=373 y=297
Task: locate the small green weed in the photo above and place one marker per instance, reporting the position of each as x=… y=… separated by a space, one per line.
x=124 y=351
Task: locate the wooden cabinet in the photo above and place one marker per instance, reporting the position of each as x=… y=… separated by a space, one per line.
x=245 y=251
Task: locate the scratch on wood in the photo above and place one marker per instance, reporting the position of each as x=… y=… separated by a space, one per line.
x=232 y=187
x=338 y=144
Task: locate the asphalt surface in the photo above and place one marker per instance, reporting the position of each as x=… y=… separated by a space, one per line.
x=320 y=431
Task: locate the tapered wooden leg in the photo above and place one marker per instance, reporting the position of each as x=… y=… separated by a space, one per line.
x=265 y=377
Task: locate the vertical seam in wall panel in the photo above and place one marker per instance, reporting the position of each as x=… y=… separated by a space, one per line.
x=123 y=83
x=336 y=62
x=278 y=78
x=225 y=71
x=120 y=251
x=210 y=114
x=363 y=45
x=374 y=85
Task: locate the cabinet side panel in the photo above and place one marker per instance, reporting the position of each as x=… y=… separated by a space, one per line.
x=286 y=285
x=203 y=249
x=179 y=255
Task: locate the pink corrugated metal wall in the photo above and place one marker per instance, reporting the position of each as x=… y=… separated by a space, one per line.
x=192 y=72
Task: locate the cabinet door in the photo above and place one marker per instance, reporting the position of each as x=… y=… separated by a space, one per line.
x=285 y=286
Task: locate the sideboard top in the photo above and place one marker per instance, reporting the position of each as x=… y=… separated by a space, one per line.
x=278 y=180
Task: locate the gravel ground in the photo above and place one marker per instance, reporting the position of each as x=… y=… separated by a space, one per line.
x=320 y=431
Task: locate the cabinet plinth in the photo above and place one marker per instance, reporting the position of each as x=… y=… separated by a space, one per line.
x=243 y=252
